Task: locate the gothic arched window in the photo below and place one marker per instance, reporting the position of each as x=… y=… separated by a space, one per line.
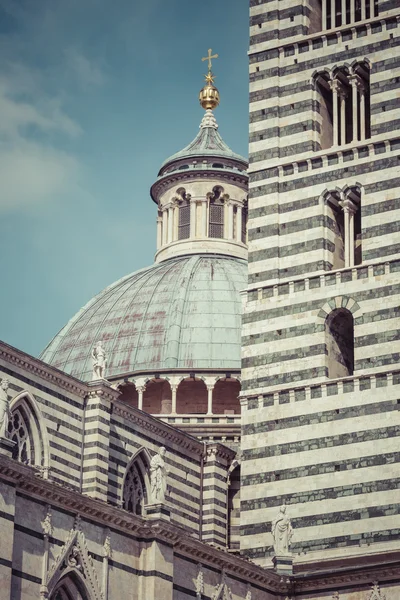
x=19 y=432
x=135 y=492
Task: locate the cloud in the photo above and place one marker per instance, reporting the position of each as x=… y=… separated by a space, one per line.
x=85 y=71
x=33 y=168
x=31 y=174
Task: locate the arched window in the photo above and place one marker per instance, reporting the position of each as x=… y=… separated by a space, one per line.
x=234 y=509
x=339 y=331
x=328 y=14
x=184 y=220
x=216 y=213
x=244 y=223
x=136 y=484
x=19 y=433
x=27 y=430
x=343 y=104
x=324 y=107
x=334 y=222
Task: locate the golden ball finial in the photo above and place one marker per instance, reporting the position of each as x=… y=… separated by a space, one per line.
x=209 y=95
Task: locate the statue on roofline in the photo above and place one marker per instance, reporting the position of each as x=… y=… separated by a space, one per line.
x=4 y=408
x=158 y=476
x=99 y=358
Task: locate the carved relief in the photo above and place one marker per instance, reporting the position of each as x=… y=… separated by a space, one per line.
x=376 y=593
x=74 y=555
x=158 y=476
x=199 y=582
x=47 y=526
x=222 y=591
x=4 y=408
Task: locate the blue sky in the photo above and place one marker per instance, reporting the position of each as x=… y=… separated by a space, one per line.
x=94 y=95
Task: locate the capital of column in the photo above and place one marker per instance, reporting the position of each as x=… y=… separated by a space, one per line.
x=140 y=389
x=357 y=82
x=348 y=206
x=338 y=88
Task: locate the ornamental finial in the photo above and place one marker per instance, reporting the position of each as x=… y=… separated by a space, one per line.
x=209 y=95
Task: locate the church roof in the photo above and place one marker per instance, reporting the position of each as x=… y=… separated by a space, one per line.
x=183 y=313
x=208 y=142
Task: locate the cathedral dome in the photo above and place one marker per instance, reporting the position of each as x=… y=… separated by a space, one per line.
x=183 y=313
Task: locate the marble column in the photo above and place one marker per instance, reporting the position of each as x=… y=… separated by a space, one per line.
x=335 y=101
x=210 y=389
x=170 y=223
x=352 y=11
x=159 y=231
x=342 y=97
x=203 y=224
x=343 y=21
x=174 y=389
x=192 y=218
x=164 y=226
x=324 y=17
x=239 y=223
x=230 y=220
x=362 y=113
x=333 y=13
x=140 y=390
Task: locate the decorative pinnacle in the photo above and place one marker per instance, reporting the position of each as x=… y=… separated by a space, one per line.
x=209 y=95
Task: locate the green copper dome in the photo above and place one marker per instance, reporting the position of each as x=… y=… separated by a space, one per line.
x=184 y=313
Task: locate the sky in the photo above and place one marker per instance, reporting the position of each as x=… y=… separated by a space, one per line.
x=94 y=96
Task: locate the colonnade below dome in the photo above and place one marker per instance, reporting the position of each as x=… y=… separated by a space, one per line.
x=186 y=395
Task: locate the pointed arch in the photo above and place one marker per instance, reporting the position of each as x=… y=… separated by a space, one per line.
x=73 y=573
x=28 y=429
x=135 y=492
x=71 y=586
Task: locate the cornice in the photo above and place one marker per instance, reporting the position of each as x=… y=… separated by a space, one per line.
x=216 y=450
x=102 y=389
x=155 y=426
x=170 y=179
x=25 y=478
x=348 y=577
x=380 y=567
x=20 y=359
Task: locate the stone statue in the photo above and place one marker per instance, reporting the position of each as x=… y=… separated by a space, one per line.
x=158 y=476
x=4 y=408
x=282 y=532
x=99 y=358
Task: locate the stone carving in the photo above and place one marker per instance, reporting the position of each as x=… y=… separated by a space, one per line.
x=248 y=592
x=222 y=591
x=107 y=545
x=99 y=358
x=335 y=596
x=4 y=408
x=75 y=555
x=199 y=582
x=282 y=532
x=376 y=593
x=47 y=526
x=73 y=559
x=158 y=476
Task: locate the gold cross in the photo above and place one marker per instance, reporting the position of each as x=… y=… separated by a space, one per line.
x=209 y=57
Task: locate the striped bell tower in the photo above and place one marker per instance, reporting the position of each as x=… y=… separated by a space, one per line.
x=320 y=360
